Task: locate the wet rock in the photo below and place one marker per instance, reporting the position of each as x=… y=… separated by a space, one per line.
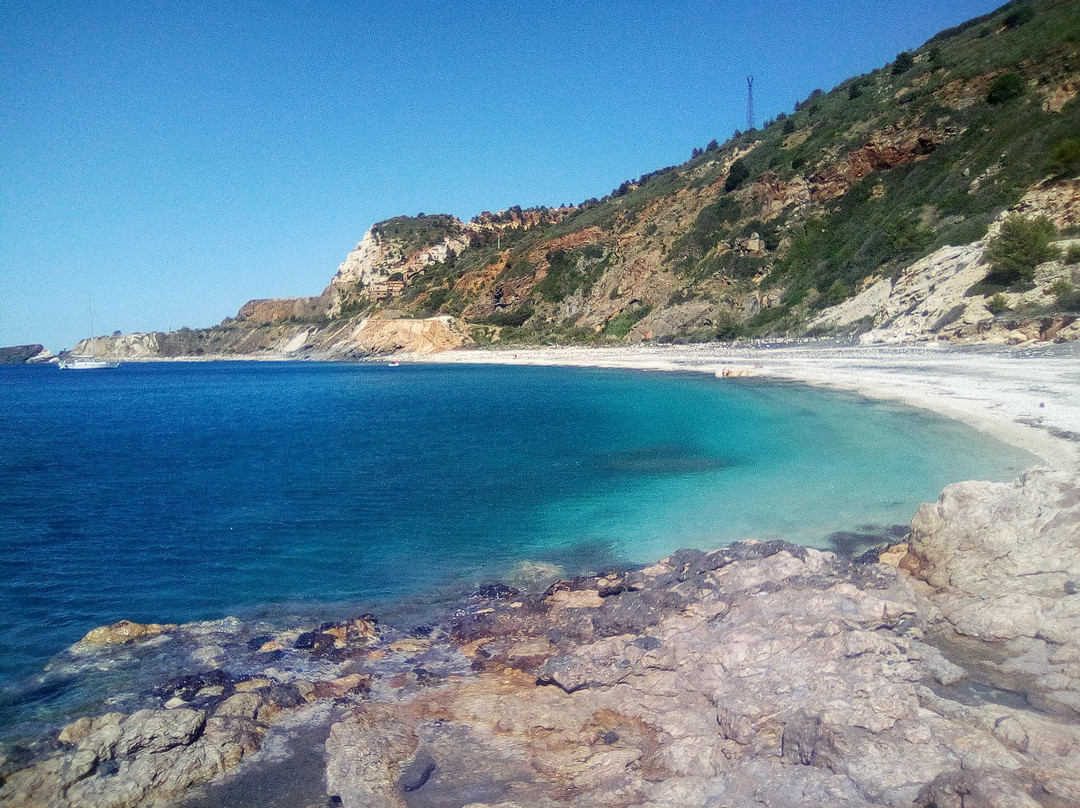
x=764 y=674
x=417 y=772
x=150 y=757
x=122 y=632
x=495 y=591
x=192 y=685
x=760 y=674
x=285 y=695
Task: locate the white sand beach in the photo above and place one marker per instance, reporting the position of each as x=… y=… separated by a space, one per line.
x=1028 y=398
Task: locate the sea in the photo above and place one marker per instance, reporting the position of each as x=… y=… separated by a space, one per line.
x=174 y=492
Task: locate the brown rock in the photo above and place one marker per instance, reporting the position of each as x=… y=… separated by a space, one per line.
x=124 y=631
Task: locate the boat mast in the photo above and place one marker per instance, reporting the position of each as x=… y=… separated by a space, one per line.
x=93 y=339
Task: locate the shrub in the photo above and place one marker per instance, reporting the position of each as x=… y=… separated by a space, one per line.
x=837 y=292
x=1021 y=246
x=1005 y=88
x=1060 y=287
x=737 y=175
x=1068 y=296
x=729 y=327
x=1018 y=16
x=766 y=319
x=1065 y=158
x=1073 y=255
x=569 y=271
x=998 y=303
x=904 y=62
x=906 y=238
x=435 y=300
x=1070 y=301
x=620 y=324
x=514 y=318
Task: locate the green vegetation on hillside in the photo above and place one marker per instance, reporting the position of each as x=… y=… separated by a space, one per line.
x=417 y=232
x=855 y=182
x=1014 y=253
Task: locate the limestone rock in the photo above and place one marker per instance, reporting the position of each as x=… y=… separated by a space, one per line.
x=927 y=300
x=366 y=754
x=761 y=674
x=1004 y=561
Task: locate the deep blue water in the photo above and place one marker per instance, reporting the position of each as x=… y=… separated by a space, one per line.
x=176 y=492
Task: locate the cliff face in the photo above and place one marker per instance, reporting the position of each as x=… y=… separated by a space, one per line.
x=24 y=355
x=342 y=338
x=870 y=207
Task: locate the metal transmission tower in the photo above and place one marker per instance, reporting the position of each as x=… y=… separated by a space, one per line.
x=750 y=104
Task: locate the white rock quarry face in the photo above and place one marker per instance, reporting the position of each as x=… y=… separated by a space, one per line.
x=359 y=263
x=913 y=306
x=374 y=260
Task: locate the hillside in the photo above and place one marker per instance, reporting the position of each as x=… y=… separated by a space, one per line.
x=875 y=208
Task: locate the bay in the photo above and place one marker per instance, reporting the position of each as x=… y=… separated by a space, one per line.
x=186 y=491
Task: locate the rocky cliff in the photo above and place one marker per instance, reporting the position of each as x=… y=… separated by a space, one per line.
x=873 y=207
x=944 y=671
x=24 y=355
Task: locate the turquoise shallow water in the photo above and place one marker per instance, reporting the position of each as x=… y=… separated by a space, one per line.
x=176 y=492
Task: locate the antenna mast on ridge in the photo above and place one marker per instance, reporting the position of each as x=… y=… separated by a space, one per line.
x=750 y=104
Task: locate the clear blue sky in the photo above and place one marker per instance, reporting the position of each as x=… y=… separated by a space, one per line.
x=171 y=160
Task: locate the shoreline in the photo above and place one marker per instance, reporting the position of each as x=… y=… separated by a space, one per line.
x=1028 y=399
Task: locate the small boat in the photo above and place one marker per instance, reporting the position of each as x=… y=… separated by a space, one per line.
x=92 y=362
x=394 y=364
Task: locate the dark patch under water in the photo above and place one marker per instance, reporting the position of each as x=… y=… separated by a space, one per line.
x=663 y=459
x=850 y=543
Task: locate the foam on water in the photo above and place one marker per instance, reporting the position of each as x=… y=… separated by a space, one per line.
x=179 y=492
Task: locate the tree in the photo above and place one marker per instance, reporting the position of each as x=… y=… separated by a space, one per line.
x=1005 y=88
x=1065 y=158
x=737 y=175
x=904 y=62
x=1018 y=16
x=1021 y=246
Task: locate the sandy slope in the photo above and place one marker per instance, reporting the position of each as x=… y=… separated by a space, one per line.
x=1028 y=398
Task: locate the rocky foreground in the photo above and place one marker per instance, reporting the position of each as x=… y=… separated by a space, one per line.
x=944 y=672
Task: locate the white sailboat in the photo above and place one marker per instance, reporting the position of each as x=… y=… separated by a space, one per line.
x=92 y=362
